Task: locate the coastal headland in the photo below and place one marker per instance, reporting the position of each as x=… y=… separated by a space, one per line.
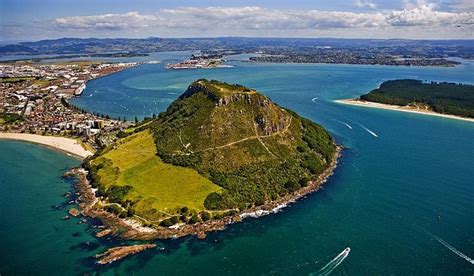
x=161 y=179
x=141 y=207
x=219 y=174
x=134 y=229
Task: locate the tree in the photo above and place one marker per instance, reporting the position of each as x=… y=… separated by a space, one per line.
x=205 y=216
x=194 y=219
x=184 y=210
x=214 y=201
x=174 y=219
x=116 y=193
x=166 y=223
x=136 y=120
x=292 y=186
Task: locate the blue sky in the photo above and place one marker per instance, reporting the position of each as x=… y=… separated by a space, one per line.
x=40 y=19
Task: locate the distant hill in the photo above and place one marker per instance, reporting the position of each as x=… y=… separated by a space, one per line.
x=218 y=149
x=399 y=47
x=446 y=98
x=17 y=49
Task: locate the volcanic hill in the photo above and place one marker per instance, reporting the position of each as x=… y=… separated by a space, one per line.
x=218 y=149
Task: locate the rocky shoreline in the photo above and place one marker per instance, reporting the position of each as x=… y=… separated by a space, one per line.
x=120 y=252
x=131 y=229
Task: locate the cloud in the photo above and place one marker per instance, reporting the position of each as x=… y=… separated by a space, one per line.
x=257 y=18
x=418 y=19
x=425 y=15
x=265 y=19
x=106 y=21
x=365 y=4
x=461 y=5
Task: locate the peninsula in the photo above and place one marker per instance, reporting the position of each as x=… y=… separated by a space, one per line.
x=221 y=152
x=198 y=62
x=449 y=100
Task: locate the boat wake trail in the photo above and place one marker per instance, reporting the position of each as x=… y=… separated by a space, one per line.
x=346 y=124
x=327 y=269
x=314 y=99
x=369 y=131
x=454 y=250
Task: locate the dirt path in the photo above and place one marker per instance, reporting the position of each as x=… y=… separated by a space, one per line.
x=252 y=137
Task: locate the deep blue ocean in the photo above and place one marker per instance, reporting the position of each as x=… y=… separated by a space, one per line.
x=402 y=201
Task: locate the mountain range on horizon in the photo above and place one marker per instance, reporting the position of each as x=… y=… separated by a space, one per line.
x=438 y=48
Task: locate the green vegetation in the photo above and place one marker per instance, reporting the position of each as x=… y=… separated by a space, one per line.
x=218 y=149
x=447 y=98
x=242 y=141
x=9 y=118
x=15 y=79
x=131 y=174
x=33 y=80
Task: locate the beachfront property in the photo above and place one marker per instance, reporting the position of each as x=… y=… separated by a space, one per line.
x=39 y=93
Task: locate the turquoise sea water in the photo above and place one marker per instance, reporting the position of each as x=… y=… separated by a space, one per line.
x=393 y=200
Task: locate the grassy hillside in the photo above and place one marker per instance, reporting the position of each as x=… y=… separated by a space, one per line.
x=156 y=189
x=219 y=147
x=447 y=98
x=242 y=141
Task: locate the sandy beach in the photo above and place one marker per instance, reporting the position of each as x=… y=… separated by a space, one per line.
x=401 y=108
x=67 y=145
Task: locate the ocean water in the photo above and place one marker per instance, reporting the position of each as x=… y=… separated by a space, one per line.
x=34 y=238
x=402 y=197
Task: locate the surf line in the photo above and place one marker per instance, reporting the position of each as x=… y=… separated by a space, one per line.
x=454 y=250
x=369 y=131
x=329 y=267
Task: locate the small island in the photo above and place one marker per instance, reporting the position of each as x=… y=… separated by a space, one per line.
x=449 y=100
x=220 y=153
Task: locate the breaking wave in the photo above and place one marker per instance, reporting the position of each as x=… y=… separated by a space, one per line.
x=260 y=213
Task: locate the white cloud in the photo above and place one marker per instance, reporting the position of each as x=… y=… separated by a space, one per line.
x=267 y=19
x=413 y=4
x=425 y=15
x=365 y=4
x=417 y=20
x=106 y=21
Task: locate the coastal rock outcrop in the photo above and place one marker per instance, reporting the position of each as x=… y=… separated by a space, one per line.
x=120 y=252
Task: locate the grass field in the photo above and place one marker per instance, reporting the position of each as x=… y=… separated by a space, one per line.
x=159 y=189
